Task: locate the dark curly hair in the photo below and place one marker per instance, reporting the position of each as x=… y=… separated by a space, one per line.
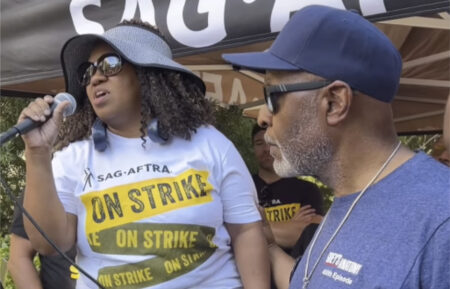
x=176 y=99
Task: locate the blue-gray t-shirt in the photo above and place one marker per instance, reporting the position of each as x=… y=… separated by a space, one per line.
x=397 y=236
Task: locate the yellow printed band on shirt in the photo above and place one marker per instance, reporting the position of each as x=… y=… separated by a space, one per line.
x=133 y=202
x=176 y=248
x=151 y=239
x=153 y=271
x=281 y=213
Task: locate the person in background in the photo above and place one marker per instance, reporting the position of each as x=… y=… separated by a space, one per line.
x=149 y=191
x=293 y=207
x=290 y=204
x=330 y=79
x=55 y=271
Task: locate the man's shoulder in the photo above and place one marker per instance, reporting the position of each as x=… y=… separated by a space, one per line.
x=425 y=174
x=423 y=185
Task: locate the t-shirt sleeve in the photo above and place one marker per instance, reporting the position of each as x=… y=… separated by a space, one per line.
x=65 y=181
x=237 y=190
x=17 y=227
x=432 y=268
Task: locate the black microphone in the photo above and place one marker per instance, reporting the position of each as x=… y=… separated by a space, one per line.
x=28 y=124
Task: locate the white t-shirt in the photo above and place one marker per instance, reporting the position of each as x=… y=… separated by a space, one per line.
x=153 y=216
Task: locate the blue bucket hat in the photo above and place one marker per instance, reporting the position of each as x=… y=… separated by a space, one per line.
x=137 y=45
x=334 y=44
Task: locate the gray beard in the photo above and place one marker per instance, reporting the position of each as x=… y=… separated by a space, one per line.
x=307 y=155
x=303 y=162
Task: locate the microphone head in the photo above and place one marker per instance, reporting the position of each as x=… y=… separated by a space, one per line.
x=63 y=96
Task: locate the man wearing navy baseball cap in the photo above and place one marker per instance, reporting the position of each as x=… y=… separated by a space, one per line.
x=330 y=78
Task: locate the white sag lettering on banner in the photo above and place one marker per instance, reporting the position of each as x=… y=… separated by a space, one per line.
x=237 y=92
x=83 y=25
x=146 y=9
x=283 y=8
x=371 y=7
x=216 y=80
x=215 y=31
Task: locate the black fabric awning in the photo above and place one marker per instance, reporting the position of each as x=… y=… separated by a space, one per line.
x=33 y=31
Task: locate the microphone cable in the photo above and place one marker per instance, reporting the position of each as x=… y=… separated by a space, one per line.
x=25 y=212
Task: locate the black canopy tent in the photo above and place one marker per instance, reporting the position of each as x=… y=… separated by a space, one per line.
x=199 y=31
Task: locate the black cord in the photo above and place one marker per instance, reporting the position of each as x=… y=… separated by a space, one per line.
x=22 y=209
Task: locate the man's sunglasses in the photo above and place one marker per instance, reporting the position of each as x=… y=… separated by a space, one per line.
x=272 y=92
x=108 y=64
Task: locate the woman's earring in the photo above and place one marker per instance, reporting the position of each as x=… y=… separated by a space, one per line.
x=154 y=132
x=99 y=135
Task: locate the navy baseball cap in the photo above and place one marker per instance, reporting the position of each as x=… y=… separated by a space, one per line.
x=336 y=45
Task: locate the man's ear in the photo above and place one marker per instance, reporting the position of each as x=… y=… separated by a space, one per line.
x=336 y=101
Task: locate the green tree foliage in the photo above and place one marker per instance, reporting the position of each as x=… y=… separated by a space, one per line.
x=12 y=165
x=238 y=129
x=420 y=142
x=12 y=170
x=4 y=253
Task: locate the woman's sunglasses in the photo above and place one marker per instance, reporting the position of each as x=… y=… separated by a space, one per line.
x=108 y=64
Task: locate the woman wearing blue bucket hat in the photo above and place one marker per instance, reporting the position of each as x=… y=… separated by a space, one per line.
x=151 y=193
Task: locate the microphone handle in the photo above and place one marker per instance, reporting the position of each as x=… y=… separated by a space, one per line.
x=23 y=127
x=27 y=124
x=8 y=135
